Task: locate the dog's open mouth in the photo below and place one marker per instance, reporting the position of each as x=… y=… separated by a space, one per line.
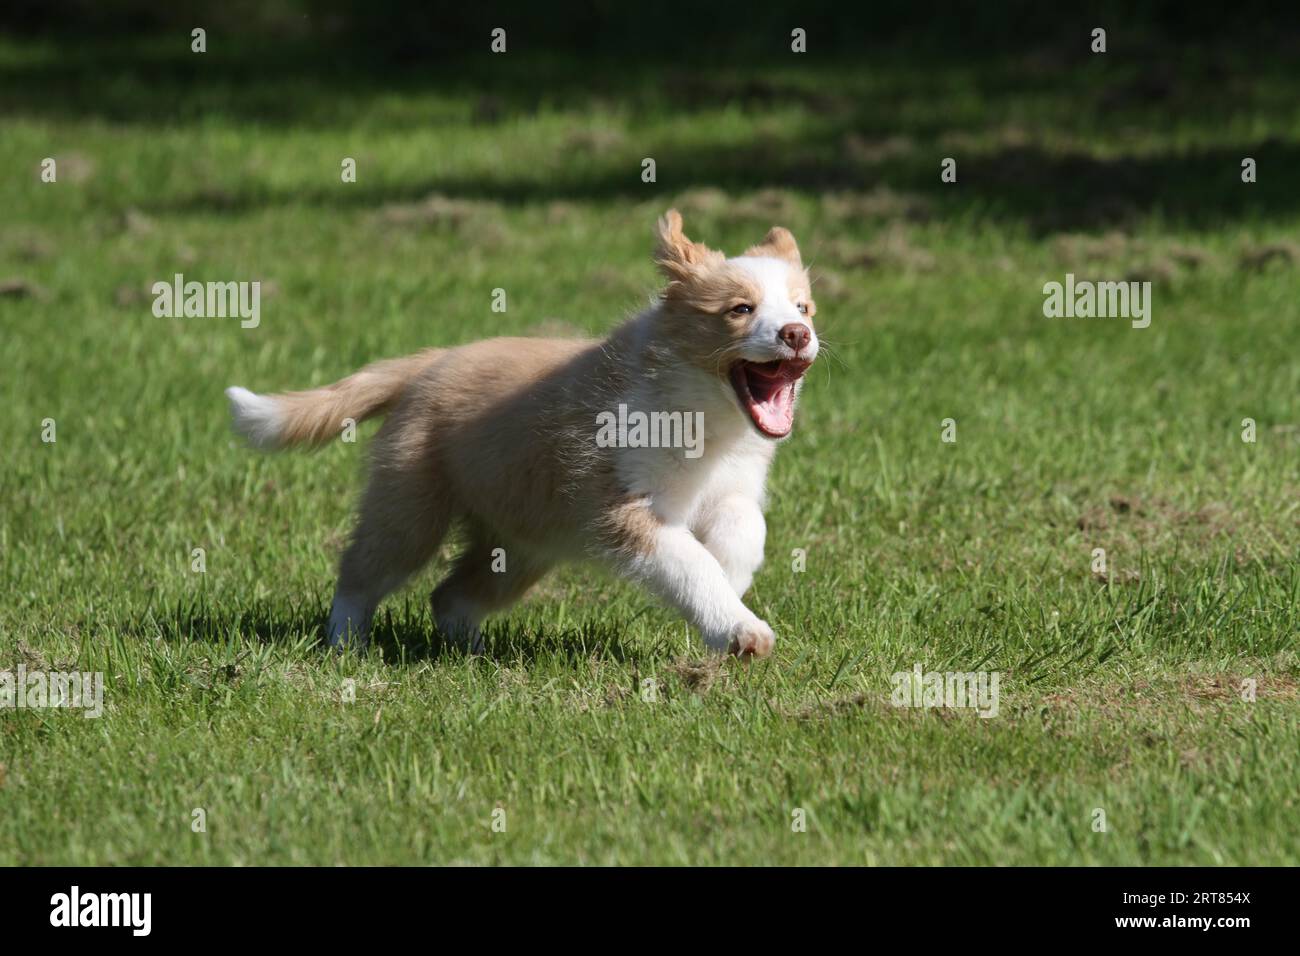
x=766 y=392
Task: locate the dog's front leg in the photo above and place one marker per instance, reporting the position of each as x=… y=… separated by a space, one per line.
x=734 y=531
x=673 y=564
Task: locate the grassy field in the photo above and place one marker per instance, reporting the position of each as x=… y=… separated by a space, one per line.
x=1120 y=692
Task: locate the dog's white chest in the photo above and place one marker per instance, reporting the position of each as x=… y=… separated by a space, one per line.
x=678 y=487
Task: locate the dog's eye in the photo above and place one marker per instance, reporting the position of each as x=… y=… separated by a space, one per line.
x=803 y=307
x=742 y=309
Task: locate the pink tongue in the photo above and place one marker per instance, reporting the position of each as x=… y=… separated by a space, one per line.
x=777 y=413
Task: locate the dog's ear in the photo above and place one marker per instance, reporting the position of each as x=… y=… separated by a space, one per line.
x=779 y=244
x=677 y=257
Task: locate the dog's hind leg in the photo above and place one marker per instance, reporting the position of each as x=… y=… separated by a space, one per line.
x=489 y=576
x=404 y=517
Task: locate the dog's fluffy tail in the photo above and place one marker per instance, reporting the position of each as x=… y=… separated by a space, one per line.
x=317 y=416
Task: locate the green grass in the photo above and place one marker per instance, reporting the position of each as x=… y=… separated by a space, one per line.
x=1119 y=694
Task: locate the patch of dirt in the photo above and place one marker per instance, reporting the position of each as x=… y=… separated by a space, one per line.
x=880 y=705
x=1190 y=256
x=767 y=207
x=126 y=296
x=1147 y=514
x=32 y=659
x=698 y=675
x=1230 y=687
x=1010 y=136
x=1080 y=248
x=616 y=694
x=27 y=246
x=1130 y=702
x=560 y=212
x=894 y=249
x=1127 y=524
x=73 y=167
x=1157 y=271
x=434 y=211
x=836 y=705
x=703 y=201
x=1141 y=259
x=134 y=222
x=1094 y=519
x=1261 y=258
x=16 y=288
x=879 y=204
x=596 y=141
x=870 y=150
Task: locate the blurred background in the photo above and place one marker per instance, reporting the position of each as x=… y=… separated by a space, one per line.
x=1054 y=136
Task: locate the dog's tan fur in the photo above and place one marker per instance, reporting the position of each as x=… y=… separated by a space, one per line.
x=498 y=437
x=313 y=417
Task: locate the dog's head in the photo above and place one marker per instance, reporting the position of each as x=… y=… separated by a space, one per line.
x=747 y=320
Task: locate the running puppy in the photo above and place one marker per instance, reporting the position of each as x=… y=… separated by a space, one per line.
x=500 y=436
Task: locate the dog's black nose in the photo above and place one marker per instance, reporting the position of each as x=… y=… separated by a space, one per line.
x=796 y=335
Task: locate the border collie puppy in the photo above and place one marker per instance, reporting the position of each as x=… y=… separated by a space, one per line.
x=513 y=440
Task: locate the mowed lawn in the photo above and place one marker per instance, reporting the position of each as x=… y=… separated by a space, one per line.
x=1125 y=695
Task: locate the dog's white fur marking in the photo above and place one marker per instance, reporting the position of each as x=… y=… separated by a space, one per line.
x=683 y=572
x=349 y=621
x=497 y=436
x=733 y=531
x=776 y=309
x=256 y=417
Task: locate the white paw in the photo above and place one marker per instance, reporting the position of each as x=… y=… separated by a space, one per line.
x=751 y=639
x=349 y=624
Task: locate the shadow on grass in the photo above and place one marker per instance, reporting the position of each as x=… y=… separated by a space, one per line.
x=1046 y=191
x=1096 y=144
x=403 y=633
x=307 y=62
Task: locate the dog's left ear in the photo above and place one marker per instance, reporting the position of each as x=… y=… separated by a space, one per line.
x=779 y=244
